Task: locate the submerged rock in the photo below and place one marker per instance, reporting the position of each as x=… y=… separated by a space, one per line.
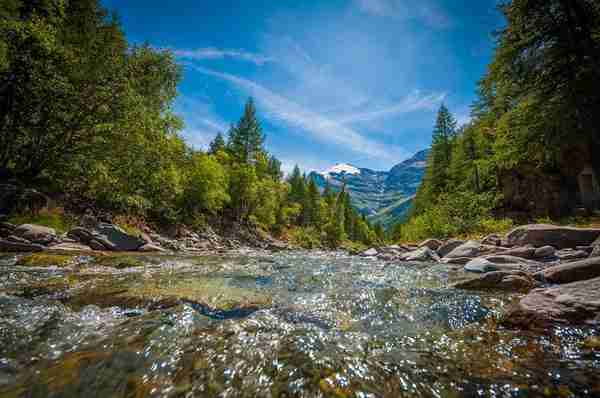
x=573 y=303
x=551 y=235
x=501 y=280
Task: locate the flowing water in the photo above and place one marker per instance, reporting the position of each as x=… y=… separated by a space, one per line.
x=286 y=325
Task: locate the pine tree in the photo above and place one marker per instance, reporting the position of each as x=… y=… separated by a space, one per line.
x=246 y=140
x=274 y=168
x=218 y=144
x=312 y=205
x=297 y=186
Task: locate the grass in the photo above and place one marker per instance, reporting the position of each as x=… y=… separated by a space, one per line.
x=53 y=218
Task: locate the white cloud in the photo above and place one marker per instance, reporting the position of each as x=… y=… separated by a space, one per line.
x=215 y=53
x=201 y=122
x=412 y=103
x=424 y=10
x=279 y=108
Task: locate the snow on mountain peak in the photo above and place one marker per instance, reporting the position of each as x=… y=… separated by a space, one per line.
x=341 y=168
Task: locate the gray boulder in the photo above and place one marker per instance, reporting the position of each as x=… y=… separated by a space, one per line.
x=115 y=238
x=551 y=235
x=472 y=249
x=433 y=244
x=527 y=252
x=595 y=252
x=448 y=246
x=369 y=253
x=501 y=280
x=8 y=246
x=576 y=303
x=80 y=234
x=572 y=272
x=493 y=263
x=36 y=233
x=423 y=254
x=544 y=252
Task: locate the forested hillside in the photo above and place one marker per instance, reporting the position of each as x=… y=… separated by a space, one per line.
x=531 y=148
x=88 y=118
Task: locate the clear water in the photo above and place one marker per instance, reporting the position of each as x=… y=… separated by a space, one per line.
x=286 y=325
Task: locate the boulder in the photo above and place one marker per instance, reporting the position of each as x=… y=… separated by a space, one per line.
x=472 y=249
x=595 y=252
x=80 y=234
x=493 y=240
x=148 y=248
x=423 y=254
x=456 y=261
x=572 y=272
x=8 y=246
x=433 y=244
x=551 y=235
x=369 y=253
x=96 y=245
x=387 y=256
x=544 y=252
x=527 y=252
x=501 y=280
x=570 y=254
x=576 y=303
x=36 y=233
x=117 y=238
x=448 y=246
x=501 y=263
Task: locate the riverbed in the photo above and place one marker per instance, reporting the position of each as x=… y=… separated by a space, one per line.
x=255 y=324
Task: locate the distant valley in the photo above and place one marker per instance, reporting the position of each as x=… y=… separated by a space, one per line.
x=384 y=196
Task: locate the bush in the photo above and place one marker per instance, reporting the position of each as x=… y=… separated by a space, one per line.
x=306 y=238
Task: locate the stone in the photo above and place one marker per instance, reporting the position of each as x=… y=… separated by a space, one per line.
x=8 y=246
x=369 y=253
x=493 y=263
x=544 y=252
x=492 y=240
x=36 y=233
x=576 y=303
x=448 y=246
x=527 y=252
x=501 y=280
x=101 y=243
x=587 y=249
x=595 y=252
x=387 y=256
x=456 y=261
x=148 y=248
x=80 y=234
x=572 y=272
x=67 y=246
x=433 y=244
x=570 y=254
x=422 y=254
x=117 y=238
x=551 y=235
x=472 y=249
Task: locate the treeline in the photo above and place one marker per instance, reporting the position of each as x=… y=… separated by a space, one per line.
x=536 y=123
x=84 y=113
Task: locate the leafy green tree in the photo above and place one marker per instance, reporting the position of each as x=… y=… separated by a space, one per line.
x=205 y=186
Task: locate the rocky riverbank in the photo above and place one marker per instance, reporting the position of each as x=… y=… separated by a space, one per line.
x=558 y=268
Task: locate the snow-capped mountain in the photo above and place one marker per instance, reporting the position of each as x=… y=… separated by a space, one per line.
x=384 y=196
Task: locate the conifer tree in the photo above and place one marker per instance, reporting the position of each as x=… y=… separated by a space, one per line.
x=218 y=144
x=312 y=204
x=297 y=186
x=246 y=140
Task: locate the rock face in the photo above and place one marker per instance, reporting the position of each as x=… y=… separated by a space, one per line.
x=36 y=233
x=573 y=303
x=472 y=249
x=572 y=272
x=551 y=235
x=501 y=280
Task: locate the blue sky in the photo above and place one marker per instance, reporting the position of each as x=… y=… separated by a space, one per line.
x=355 y=81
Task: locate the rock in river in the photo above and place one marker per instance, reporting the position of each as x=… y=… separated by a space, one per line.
x=500 y=263
x=501 y=280
x=36 y=233
x=573 y=303
x=572 y=272
x=472 y=249
x=551 y=235
x=421 y=254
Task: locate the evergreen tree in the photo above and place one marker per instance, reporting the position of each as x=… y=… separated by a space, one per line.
x=246 y=139
x=274 y=168
x=297 y=186
x=312 y=205
x=217 y=144
x=444 y=135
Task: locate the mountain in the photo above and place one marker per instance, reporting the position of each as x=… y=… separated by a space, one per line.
x=384 y=196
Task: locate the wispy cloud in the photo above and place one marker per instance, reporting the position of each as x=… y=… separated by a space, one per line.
x=201 y=122
x=424 y=10
x=414 y=102
x=208 y=53
x=281 y=109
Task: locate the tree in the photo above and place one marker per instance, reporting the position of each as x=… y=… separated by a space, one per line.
x=205 y=186
x=297 y=186
x=444 y=135
x=217 y=144
x=246 y=139
x=312 y=205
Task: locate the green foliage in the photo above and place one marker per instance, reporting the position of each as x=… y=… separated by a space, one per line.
x=306 y=238
x=205 y=186
x=52 y=218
